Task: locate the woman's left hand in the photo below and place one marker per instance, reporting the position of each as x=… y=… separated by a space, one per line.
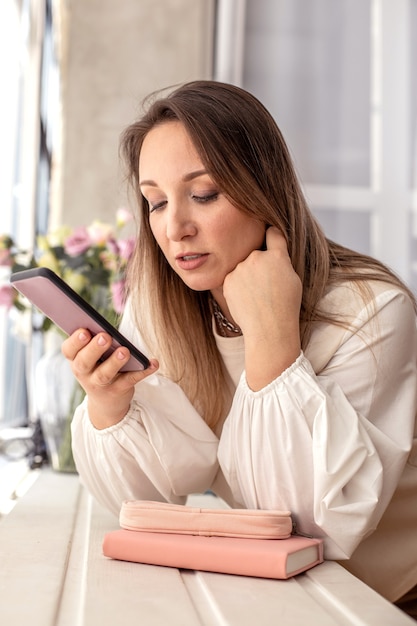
x=263 y=294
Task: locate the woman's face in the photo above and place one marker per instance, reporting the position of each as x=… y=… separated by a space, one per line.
x=202 y=235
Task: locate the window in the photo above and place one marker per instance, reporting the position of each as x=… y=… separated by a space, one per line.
x=31 y=83
x=339 y=79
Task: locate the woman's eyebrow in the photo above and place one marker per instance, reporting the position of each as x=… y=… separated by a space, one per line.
x=186 y=178
x=193 y=175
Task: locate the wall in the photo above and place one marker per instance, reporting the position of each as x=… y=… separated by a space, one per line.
x=112 y=56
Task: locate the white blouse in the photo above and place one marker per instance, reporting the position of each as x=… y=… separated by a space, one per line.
x=331 y=439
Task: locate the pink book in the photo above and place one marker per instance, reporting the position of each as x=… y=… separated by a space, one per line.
x=264 y=558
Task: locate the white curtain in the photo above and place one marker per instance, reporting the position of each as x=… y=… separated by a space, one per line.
x=340 y=79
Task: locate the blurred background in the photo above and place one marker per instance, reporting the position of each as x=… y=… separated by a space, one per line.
x=339 y=76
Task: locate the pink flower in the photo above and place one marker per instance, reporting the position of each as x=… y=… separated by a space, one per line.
x=5 y=258
x=126 y=247
x=113 y=246
x=118 y=295
x=100 y=232
x=7 y=294
x=78 y=242
x=123 y=217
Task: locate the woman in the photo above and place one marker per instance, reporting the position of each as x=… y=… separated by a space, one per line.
x=287 y=363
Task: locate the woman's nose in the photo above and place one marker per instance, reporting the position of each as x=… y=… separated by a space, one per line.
x=179 y=223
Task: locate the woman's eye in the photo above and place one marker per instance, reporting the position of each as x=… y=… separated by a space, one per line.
x=156 y=206
x=200 y=198
x=210 y=197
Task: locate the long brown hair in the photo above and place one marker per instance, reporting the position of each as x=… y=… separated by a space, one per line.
x=244 y=152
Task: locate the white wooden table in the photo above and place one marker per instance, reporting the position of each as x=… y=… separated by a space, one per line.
x=53 y=573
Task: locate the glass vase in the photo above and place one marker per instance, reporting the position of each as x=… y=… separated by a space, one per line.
x=57 y=393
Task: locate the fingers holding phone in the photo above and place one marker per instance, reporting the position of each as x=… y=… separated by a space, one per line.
x=104 y=362
x=109 y=390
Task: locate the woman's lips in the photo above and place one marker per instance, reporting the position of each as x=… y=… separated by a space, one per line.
x=191 y=261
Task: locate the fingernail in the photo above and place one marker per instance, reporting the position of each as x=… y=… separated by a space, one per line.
x=82 y=336
x=101 y=341
x=120 y=355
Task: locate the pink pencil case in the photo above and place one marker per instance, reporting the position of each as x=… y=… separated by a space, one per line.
x=162 y=517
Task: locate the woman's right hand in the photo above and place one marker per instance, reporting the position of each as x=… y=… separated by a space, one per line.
x=264 y=295
x=109 y=390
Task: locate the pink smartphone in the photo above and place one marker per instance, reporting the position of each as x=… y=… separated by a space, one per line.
x=58 y=301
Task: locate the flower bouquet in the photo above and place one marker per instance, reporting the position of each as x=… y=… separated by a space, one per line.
x=92 y=260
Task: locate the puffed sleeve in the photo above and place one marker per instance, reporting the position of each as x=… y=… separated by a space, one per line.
x=331 y=446
x=161 y=450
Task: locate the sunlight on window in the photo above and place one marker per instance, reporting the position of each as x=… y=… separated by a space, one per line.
x=13 y=36
x=10 y=59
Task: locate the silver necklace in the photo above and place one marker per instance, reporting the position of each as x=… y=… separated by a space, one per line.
x=223 y=323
